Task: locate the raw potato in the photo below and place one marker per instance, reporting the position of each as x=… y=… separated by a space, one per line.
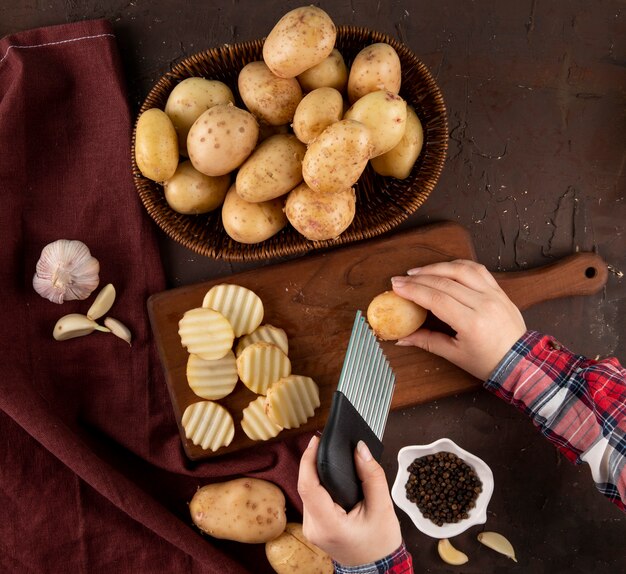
x=292 y=400
x=320 y=216
x=242 y=307
x=331 y=72
x=384 y=113
x=271 y=99
x=317 y=110
x=267 y=333
x=255 y=422
x=262 y=364
x=273 y=169
x=375 y=67
x=301 y=39
x=392 y=317
x=189 y=99
x=156 y=145
x=208 y=425
x=248 y=510
x=206 y=333
x=292 y=552
x=335 y=160
x=248 y=222
x=190 y=192
x=214 y=379
x=399 y=161
x=221 y=139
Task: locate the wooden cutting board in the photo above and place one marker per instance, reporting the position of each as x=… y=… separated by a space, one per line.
x=314 y=299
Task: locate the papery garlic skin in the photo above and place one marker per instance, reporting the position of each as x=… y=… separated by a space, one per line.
x=66 y=270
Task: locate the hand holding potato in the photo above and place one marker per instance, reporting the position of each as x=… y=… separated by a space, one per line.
x=464 y=295
x=368 y=532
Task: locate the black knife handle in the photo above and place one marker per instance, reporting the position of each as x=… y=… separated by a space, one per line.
x=335 y=457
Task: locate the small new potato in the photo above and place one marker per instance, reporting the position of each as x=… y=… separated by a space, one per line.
x=384 y=113
x=190 y=192
x=317 y=110
x=399 y=160
x=335 y=159
x=189 y=99
x=392 y=317
x=301 y=39
x=156 y=145
x=248 y=222
x=375 y=67
x=320 y=216
x=331 y=72
x=221 y=139
x=248 y=510
x=272 y=99
x=291 y=552
x=273 y=169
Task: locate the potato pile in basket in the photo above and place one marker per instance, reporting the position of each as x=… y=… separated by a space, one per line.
x=291 y=155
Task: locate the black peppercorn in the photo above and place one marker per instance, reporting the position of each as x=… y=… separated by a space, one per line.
x=443 y=487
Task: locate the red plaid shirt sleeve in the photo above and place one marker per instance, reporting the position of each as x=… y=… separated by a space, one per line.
x=399 y=562
x=579 y=404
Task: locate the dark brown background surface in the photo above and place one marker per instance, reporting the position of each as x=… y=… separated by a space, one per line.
x=535 y=95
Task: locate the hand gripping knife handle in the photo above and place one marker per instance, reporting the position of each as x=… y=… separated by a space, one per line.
x=335 y=458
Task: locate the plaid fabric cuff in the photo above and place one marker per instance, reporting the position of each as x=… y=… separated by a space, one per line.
x=399 y=562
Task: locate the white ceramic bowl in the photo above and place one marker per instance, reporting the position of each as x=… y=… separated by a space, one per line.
x=477 y=515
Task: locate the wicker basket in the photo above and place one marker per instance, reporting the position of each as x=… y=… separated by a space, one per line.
x=382 y=202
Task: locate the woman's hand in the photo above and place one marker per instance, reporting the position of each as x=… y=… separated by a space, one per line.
x=369 y=532
x=464 y=295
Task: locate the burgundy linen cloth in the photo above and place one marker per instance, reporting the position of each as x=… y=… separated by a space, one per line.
x=92 y=474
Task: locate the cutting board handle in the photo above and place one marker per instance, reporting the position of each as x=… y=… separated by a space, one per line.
x=578 y=274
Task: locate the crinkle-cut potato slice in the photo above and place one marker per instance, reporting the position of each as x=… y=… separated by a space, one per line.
x=206 y=333
x=212 y=379
x=243 y=308
x=208 y=425
x=292 y=400
x=256 y=424
x=267 y=333
x=261 y=364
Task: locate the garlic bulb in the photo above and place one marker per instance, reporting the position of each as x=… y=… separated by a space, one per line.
x=66 y=270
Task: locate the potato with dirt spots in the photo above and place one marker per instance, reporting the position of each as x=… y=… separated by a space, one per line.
x=301 y=39
x=248 y=222
x=190 y=192
x=221 y=139
x=317 y=110
x=292 y=553
x=320 y=216
x=331 y=72
x=273 y=100
x=336 y=158
x=384 y=113
x=273 y=169
x=375 y=67
x=247 y=510
x=189 y=99
x=399 y=160
x=156 y=145
x=392 y=317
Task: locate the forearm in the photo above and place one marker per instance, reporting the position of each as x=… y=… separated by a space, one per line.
x=399 y=562
x=579 y=405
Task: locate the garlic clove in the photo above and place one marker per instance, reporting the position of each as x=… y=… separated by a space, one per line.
x=449 y=554
x=103 y=302
x=498 y=543
x=118 y=329
x=66 y=270
x=75 y=325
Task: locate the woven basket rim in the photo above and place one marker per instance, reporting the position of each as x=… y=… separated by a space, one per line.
x=402 y=197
